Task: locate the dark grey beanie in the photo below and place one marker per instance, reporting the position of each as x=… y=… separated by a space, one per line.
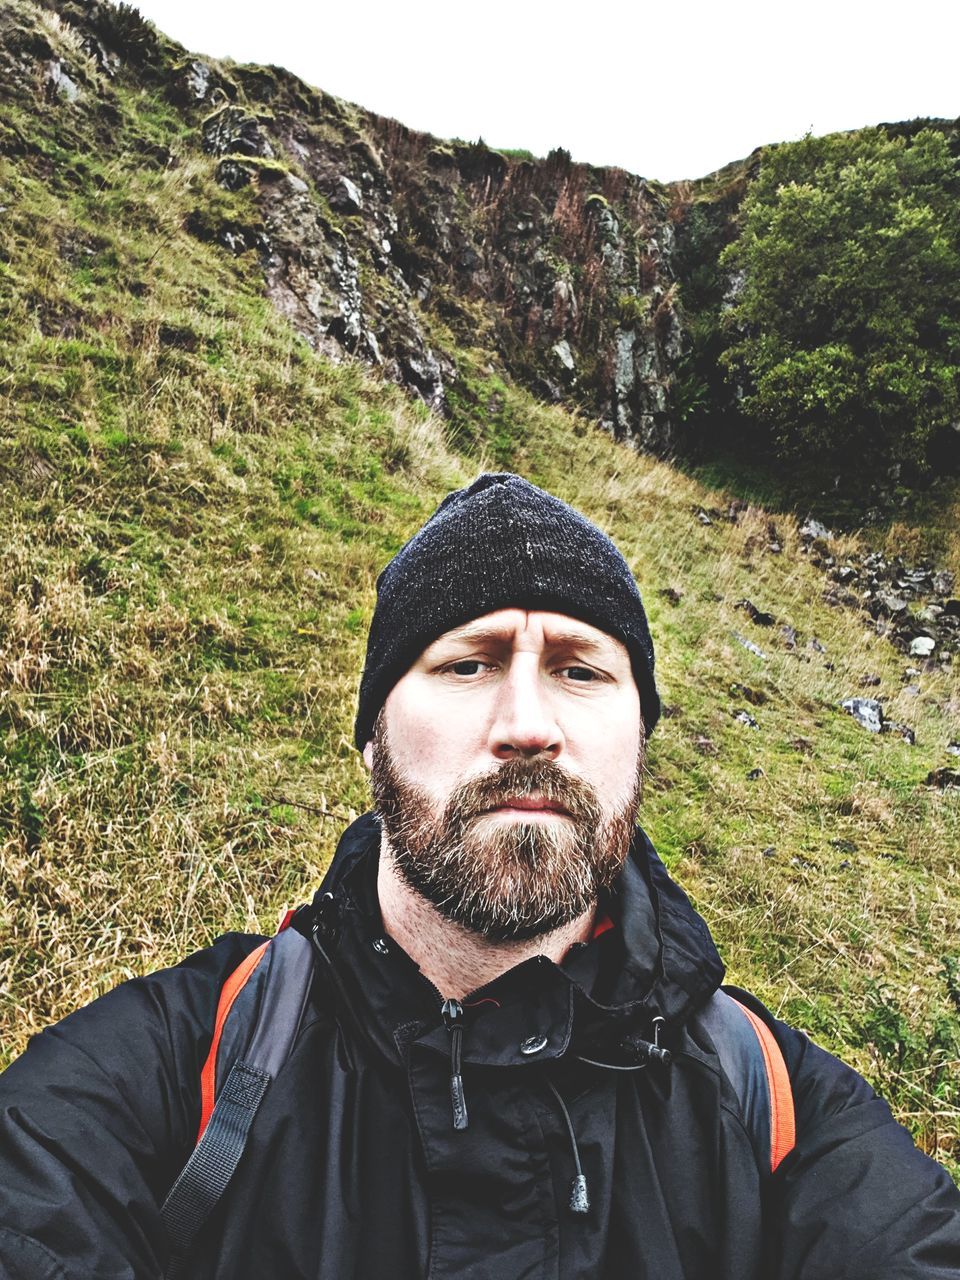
x=500 y=543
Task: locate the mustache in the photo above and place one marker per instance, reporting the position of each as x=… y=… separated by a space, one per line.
x=518 y=779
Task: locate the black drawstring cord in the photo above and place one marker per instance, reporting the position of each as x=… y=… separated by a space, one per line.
x=452 y=1014
x=579 y=1195
x=646 y=1051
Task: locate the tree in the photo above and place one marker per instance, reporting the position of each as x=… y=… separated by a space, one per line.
x=845 y=319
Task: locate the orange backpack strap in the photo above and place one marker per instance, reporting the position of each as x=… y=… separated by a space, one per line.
x=228 y=994
x=753 y=1062
x=259 y=1012
x=783 y=1124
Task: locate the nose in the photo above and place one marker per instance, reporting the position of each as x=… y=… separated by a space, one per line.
x=525 y=721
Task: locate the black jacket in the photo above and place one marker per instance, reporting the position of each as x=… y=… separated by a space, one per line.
x=354 y=1167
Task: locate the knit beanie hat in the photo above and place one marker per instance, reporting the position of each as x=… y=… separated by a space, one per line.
x=500 y=543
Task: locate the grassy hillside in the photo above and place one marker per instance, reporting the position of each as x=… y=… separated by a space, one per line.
x=196 y=506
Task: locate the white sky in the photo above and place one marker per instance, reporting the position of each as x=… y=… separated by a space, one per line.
x=672 y=90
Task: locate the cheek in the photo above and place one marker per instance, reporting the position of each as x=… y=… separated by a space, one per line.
x=423 y=739
x=621 y=777
x=614 y=748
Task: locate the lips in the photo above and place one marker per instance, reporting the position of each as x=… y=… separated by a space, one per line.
x=530 y=804
x=534 y=789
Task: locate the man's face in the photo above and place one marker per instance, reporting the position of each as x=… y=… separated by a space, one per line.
x=506 y=768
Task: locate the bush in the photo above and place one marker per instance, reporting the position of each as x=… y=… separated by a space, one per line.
x=845 y=320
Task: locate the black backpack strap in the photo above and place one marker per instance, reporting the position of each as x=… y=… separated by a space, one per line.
x=258 y=1016
x=754 y=1065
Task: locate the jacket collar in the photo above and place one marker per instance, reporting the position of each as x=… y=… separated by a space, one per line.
x=658 y=961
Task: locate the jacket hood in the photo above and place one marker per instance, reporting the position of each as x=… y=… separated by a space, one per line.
x=658 y=961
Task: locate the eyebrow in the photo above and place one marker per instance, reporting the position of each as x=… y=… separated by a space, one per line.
x=575 y=639
x=497 y=635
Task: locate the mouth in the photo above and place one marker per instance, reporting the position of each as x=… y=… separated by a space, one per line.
x=530 y=806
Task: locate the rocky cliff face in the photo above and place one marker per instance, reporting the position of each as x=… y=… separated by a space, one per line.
x=386 y=244
x=567 y=268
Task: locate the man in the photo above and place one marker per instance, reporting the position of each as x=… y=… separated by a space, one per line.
x=510 y=1062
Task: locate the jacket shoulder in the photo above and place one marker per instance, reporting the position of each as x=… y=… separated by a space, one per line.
x=171 y=1010
x=98 y=1114
x=855 y=1199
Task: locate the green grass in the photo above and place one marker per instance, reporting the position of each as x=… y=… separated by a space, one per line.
x=197 y=507
x=918 y=524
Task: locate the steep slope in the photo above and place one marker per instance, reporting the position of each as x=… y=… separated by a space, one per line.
x=378 y=241
x=197 y=500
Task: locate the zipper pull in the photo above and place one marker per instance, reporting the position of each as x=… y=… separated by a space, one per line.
x=452 y=1013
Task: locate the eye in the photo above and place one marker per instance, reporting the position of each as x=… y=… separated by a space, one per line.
x=466 y=667
x=581 y=675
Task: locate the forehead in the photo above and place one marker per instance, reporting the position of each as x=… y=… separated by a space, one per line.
x=532 y=629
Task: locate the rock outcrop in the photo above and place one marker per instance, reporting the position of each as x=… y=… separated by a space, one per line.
x=913 y=606
x=389 y=245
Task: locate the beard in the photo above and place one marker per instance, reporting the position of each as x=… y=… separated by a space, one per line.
x=505 y=880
